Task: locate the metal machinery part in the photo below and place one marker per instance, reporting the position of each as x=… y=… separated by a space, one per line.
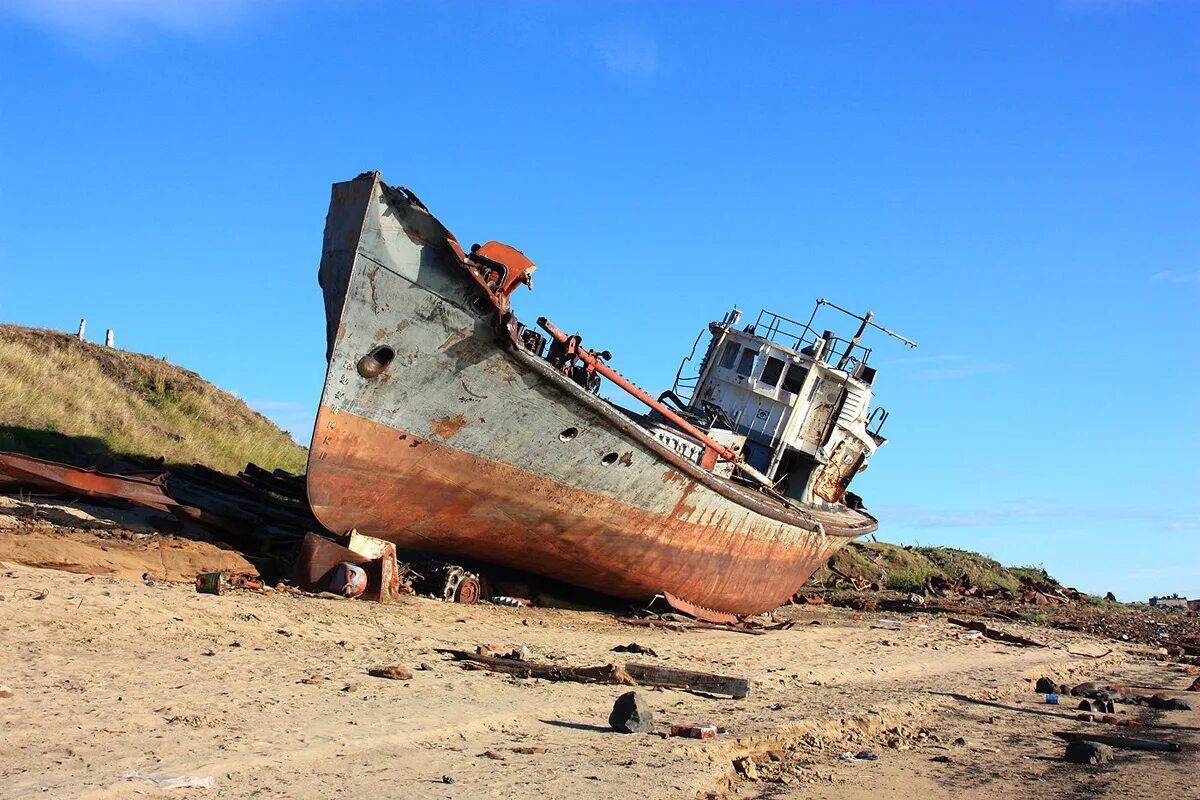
x=449 y=582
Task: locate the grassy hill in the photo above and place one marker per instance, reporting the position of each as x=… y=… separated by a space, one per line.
x=89 y=405
x=907 y=569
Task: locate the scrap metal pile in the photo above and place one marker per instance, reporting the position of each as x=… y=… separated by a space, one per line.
x=263 y=514
x=260 y=512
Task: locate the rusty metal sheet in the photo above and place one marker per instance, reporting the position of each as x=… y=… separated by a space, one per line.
x=137 y=489
x=699 y=612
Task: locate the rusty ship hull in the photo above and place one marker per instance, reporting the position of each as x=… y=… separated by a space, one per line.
x=438 y=432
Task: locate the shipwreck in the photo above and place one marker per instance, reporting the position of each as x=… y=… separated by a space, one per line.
x=448 y=426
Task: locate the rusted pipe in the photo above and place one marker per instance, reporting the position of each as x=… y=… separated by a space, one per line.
x=857 y=338
x=726 y=453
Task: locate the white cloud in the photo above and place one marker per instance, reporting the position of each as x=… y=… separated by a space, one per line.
x=95 y=22
x=630 y=54
x=1167 y=276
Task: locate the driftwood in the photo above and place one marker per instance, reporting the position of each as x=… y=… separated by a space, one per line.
x=691 y=625
x=650 y=675
x=1089 y=655
x=609 y=673
x=629 y=675
x=992 y=633
x=1127 y=742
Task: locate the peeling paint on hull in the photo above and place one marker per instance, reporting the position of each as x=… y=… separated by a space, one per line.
x=466 y=446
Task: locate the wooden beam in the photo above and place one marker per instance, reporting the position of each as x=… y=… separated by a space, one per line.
x=629 y=675
x=650 y=675
x=1127 y=742
x=992 y=633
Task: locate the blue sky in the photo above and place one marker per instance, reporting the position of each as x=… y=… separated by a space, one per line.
x=1014 y=185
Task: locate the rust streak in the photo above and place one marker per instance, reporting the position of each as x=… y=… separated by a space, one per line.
x=446 y=427
x=451 y=340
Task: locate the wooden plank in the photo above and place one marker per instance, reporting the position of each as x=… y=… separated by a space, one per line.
x=691 y=625
x=629 y=675
x=609 y=673
x=992 y=633
x=1127 y=742
x=651 y=675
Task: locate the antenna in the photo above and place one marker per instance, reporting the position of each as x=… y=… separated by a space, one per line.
x=866 y=320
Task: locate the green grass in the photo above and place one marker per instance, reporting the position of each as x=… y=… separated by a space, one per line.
x=984 y=572
x=89 y=405
x=1034 y=616
x=908 y=569
x=1035 y=574
x=891 y=565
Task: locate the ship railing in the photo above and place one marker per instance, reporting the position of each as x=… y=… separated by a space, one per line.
x=683 y=387
x=798 y=335
x=878 y=416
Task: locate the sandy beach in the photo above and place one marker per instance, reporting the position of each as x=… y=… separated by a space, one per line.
x=268 y=694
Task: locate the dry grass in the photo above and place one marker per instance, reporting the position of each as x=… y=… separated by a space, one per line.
x=86 y=404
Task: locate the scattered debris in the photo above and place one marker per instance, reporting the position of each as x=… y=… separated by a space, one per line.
x=382 y=554
x=1047 y=686
x=634 y=647
x=171 y=781
x=992 y=633
x=1099 y=706
x=694 y=731
x=1080 y=751
x=349 y=580
x=210 y=583
x=393 y=672
x=1169 y=703
x=630 y=714
x=6 y=692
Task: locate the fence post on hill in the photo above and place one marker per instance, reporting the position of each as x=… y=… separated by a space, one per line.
x=82 y=326
x=108 y=338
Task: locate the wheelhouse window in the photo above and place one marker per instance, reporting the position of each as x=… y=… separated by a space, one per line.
x=729 y=355
x=794 y=380
x=746 y=362
x=771 y=371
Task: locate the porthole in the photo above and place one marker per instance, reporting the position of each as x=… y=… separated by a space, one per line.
x=568 y=434
x=375 y=362
x=609 y=459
